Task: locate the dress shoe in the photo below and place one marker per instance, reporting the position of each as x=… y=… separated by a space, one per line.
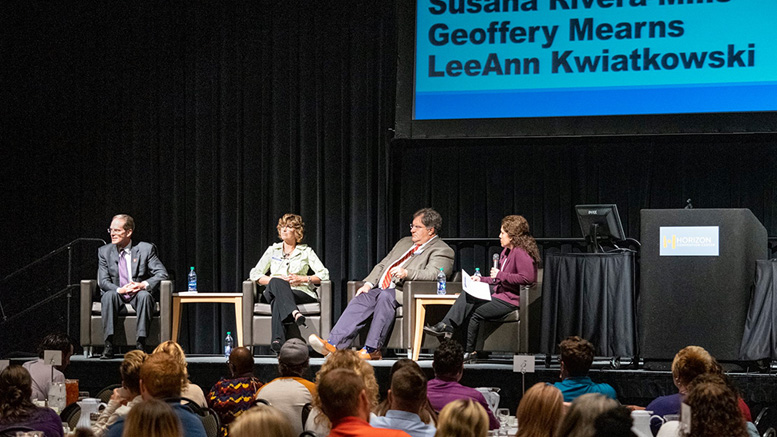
x=439 y=330
x=140 y=345
x=300 y=320
x=470 y=357
x=320 y=345
x=107 y=352
x=374 y=355
x=276 y=346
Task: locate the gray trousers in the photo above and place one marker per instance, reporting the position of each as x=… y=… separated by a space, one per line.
x=377 y=303
x=142 y=303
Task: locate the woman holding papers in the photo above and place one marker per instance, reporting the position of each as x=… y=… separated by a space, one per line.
x=517 y=267
x=289 y=282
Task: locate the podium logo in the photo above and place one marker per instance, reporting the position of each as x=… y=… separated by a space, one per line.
x=689 y=241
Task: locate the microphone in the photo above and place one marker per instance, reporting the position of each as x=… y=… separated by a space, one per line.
x=688 y=204
x=495 y=258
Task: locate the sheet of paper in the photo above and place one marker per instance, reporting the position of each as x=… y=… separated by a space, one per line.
x=479 y=290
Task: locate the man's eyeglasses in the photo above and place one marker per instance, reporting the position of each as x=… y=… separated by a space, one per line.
x=115 y=231
x=414 y=227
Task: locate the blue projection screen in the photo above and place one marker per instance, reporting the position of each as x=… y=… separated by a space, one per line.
x=492 y=59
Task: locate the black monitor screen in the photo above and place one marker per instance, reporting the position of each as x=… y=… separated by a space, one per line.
x=606 y=218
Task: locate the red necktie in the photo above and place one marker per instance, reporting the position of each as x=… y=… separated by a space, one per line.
x=386 y=282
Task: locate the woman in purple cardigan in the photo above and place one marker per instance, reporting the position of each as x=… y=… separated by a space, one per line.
x=517 y=267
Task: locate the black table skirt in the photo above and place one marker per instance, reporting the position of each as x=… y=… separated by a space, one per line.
x=590 y=295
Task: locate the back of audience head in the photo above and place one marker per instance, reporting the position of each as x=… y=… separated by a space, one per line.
x=349 y=359
x=427 y=413
x=579 y=420
x=540 y=411
x=261 y=420
x=152 y=418
x=15 y=393
x=176 y=351
x=57 y=341
x=408 y=390
x=448 y=360
x=342 y=393
x=294 y=358
x=615 y=422
x=241 y=361
x=714 y=408
x=462 y=418
x=130 y=370
x=690 y=362
x=161 y=377
x=577 y=355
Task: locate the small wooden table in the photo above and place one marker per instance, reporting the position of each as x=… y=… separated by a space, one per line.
x=421 y=301
x=233 y=298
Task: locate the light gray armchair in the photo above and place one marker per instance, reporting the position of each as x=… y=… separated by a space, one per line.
x=125 y=335
x=257 y=317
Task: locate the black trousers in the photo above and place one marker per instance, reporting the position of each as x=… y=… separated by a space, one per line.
x=472 y=312
x=283 y=301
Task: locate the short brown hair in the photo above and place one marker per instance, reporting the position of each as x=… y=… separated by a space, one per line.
x=129 y=222
x=339 y=391
x=577 y=354
x=430 y=218
x=130 y=369
x=162 y=376
x=408 y=388
x=295 y=221
x=152 y=418
x=690 y=362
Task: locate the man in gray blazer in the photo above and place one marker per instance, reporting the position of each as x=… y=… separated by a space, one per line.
x=128 y=273
x=418 y=257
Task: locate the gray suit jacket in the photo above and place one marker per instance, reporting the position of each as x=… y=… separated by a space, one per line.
x=422 y=266
x=146 y=266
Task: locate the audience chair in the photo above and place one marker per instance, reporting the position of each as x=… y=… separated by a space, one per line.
x=211 y=422
x=125 y=335
x=71 y=414
x=257 y=316
x=105 y=394
x=306 y=409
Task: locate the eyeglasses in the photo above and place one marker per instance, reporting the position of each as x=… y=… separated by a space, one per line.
x=414 y=227
x=115 y=231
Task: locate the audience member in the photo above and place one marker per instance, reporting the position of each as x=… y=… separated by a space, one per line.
x=41 y=373
x=345 y=401
x=189 y=391
x=714 y=410
x=124 y=398
x=16 y=407
x=161 y=377
x=290 y=392
x=577 y=355
x=406 y=398
x=230 y=397
x=579 y=420
x=448 y=368
x=262 y=420
x=463 y=418
x=616 y=422
x=427 y=413
x=540 y=411
x=152 y=418
x=318 y=422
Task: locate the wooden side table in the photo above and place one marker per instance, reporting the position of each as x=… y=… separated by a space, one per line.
x=421 y=301
x=233 y=298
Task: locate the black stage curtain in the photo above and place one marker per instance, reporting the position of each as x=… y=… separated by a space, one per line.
x=206 y=121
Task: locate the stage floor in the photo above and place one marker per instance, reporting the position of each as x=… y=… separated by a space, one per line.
x=634 y=386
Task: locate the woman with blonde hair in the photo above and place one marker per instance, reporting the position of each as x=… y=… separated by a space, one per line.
x=123 y=398
x=285 y=269
x=342 y=359
x=261 y=420
x=462 y=418
x=517 y=267
x=192 y=392
x=540 y=411
x=579 y=420
x=152 y=418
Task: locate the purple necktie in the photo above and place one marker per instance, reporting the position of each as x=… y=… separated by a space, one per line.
x=123 y=273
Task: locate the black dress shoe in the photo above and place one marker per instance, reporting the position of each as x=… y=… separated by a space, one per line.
x=439 y=330
x=470 y=357
x=140 y=346
x=107 y=352
x=276 y=346
x=301 y=321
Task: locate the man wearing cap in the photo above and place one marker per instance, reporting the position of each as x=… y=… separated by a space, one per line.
x=290 y=392
x=229 y=398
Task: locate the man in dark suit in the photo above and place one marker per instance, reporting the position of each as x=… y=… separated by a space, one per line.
x=418 y=257
x=128 y=273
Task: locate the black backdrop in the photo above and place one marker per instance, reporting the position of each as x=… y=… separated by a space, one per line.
x=208 y=121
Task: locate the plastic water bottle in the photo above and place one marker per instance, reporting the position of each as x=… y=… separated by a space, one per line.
x=477 y=273
x=229 y=343
x=441 y=282
x=192 y=280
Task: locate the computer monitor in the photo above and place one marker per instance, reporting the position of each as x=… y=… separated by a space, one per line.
x=600 y=222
